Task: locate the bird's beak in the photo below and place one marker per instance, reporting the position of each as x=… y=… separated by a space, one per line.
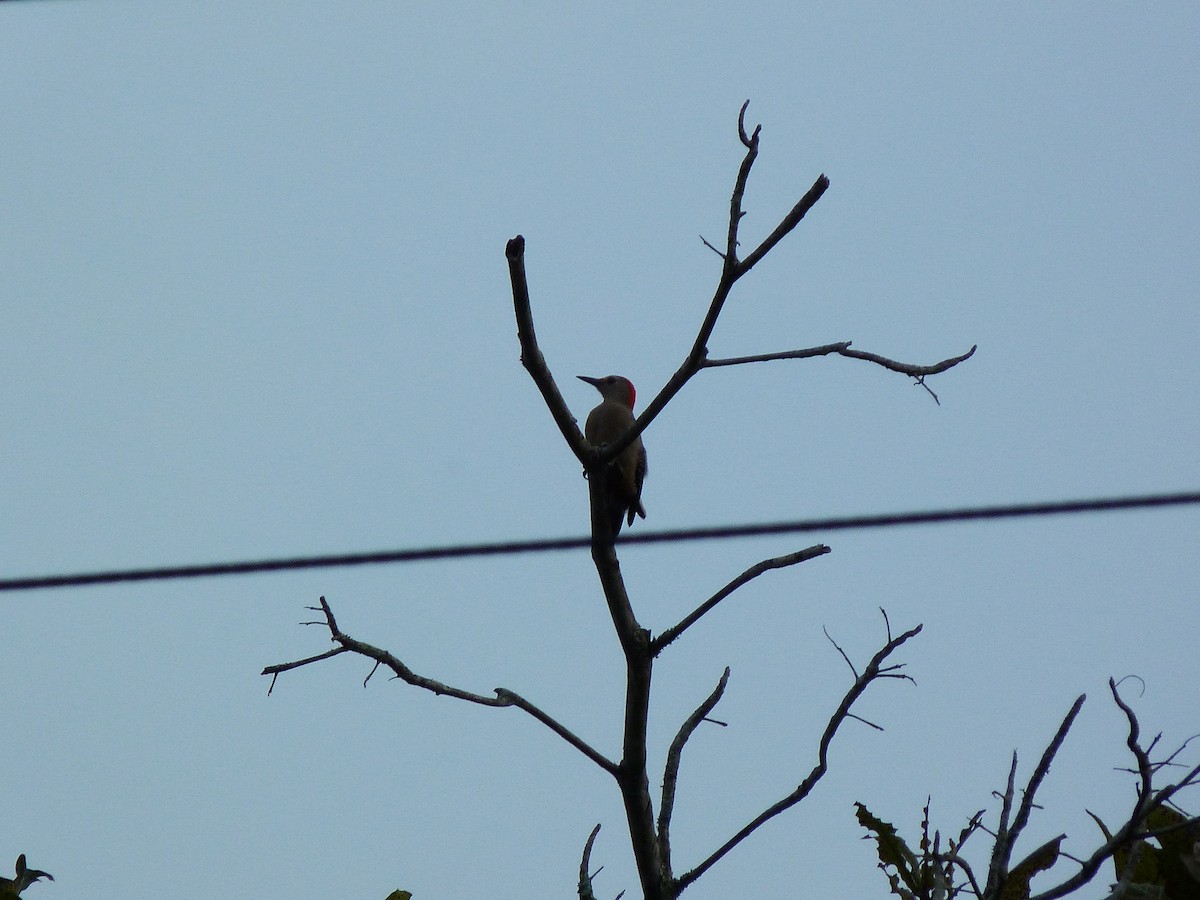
x=594 y=382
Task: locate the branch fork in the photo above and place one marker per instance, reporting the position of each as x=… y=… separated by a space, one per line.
x=650 y=837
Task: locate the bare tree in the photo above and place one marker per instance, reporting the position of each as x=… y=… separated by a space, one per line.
x=650 y=834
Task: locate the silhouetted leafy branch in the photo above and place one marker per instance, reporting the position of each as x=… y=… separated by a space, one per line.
x=1170 y=871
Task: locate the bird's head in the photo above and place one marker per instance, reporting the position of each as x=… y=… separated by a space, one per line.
x=613 y=387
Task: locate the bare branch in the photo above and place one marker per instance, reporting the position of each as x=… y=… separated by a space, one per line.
x=919 y=381
x=374 y=669
x=843 y=348
x=1002 y=848
x=585 y=876
x=908 y=368
x=739 y=189
x=631 y=774
x=777 y=562
x=836 y=647
x=1170 y=760
x=510 y=698
x=382 y=657
x=531 y=355
x=1043 y=767
x=823 y=350
x=742 y=125
x=870 y=673
x=866 y=722
x=276 y=670
x=790 y=221
x=704 y=240
x=887 y=623
x=954 y=859
x=1183 y=825
x=1144 y=769
x=671 y=770
x=731 y=270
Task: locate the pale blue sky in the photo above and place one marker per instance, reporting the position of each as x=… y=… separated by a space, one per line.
x=256 y=303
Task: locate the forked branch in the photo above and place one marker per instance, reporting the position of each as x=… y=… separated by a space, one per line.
x=502 y=698
x=733 y=269
x=842 y=348
x=1006 y=833
x=874 y=670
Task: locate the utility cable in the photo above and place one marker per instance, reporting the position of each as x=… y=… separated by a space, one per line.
x=510 y=548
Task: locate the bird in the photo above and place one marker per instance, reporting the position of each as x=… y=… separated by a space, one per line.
x=605 y=425
x=12 y=887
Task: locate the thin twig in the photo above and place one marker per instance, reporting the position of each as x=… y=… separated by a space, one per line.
x=711 y=247
x=919 y=381
x=777 y=562
x=742 y=125
x=277 y=670
x=838 y=648
x=866 y=722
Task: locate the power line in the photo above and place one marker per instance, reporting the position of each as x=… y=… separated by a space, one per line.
x=510 y=548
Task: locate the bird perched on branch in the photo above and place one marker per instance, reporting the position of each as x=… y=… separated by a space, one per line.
x=605 y=425
x=25 y=876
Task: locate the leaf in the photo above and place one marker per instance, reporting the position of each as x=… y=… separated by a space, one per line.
x=1016 y=886
x=398 y=895
x=1172 y=869
x=1178 y=850
x=892 y=850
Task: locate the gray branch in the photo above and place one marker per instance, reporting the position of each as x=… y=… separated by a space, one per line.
x=874 y=670
x=777 y=562
x=671 y=770
x=502 y=698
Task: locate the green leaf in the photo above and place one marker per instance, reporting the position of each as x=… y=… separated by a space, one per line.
x=893 y=852
x=1016 y=887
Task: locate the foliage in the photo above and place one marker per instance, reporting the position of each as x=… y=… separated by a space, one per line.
x=1170 y=871
x=924 y=875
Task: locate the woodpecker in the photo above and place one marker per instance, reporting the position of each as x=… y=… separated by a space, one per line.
x=605 y=424
x=12 y=887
